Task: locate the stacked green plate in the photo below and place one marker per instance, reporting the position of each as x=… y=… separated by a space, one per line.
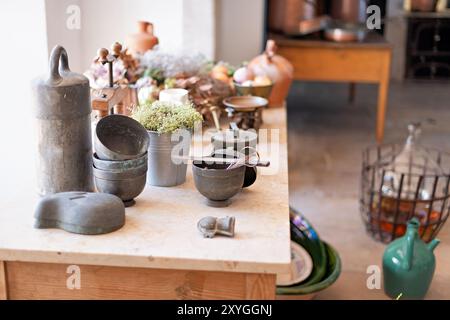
x=327 y=264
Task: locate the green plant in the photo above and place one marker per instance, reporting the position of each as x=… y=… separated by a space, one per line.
x=167 y=117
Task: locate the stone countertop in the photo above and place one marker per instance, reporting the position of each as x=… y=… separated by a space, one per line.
x=161 y=229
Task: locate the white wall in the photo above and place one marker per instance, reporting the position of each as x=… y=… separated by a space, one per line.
x=199 y=26
x=23 y=55
x=106 y=21
x=240 y=27
x=230 y=30
x=59 y=34
x=179 y=24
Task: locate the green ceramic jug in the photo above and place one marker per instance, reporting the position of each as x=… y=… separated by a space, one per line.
x=408 y=265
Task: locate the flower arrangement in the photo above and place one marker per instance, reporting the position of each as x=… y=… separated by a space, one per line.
x=167 y=117
x=160 y=64
x=99 y=77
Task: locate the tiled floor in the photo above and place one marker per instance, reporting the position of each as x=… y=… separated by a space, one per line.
x=326 y=137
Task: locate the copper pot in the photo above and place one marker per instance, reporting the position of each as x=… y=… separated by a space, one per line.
x=286 y=15
x=352 y=11
x=423 y=5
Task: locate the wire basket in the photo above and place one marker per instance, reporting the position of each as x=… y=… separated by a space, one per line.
x=425 y=196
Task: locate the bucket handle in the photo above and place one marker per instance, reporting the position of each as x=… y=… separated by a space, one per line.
x=59 y=62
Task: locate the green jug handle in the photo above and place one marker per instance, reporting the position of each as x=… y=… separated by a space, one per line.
x=59 y=62
x=411 y=233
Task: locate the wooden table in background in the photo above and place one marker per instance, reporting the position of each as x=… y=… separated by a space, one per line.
x=317 y=60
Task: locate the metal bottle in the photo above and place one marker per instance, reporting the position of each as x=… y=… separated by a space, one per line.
x=62 y=109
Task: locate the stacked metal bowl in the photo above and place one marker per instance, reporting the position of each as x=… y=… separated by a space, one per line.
x=120 y=160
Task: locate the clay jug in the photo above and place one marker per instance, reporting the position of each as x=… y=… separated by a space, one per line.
x=408 y=265
x=278 y=69
x=144 y=40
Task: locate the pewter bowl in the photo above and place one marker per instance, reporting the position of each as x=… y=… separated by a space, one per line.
x=119 y=165
x=216 y=183
x=126 y=185
x=119 y=137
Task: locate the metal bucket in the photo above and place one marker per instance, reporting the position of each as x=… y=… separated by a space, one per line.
x=166 y=166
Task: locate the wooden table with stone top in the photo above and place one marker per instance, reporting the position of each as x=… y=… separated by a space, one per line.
x=159 y=253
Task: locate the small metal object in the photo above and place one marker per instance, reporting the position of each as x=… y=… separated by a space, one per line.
x=80 y=212
x=246 y=111
x=211 y=226
x=234 y=138
x=105 y=58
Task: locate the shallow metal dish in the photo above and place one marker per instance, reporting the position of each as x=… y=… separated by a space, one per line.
x=245 y=103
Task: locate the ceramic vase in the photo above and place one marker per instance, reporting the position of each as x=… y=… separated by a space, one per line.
x=408 y=265
x=278 y=69
x=143 y=40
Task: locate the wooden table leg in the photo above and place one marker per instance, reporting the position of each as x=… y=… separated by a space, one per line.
x=3 y=288
x=383 y=91
x=351 y=92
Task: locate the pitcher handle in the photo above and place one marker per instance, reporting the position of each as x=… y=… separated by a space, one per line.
x=59 y=62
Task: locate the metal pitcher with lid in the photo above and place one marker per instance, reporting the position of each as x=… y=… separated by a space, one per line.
x=62 y=109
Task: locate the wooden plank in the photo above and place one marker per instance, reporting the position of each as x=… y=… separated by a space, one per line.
x=336 y=64
x=48 y=281
x=383 y=92
x=3 y=283
x=113 y=96
x=260 y=286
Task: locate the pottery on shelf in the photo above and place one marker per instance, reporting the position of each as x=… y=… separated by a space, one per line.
x=408 y=265
x=144 y=39
x=216 y=183
x=278 y=69
x=80 y=212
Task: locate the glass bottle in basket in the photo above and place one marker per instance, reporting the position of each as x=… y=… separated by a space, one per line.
x=405 y=191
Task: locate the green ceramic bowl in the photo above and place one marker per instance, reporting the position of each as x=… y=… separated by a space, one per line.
x=333 y=270
x=258 y=91
x=305 y=235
